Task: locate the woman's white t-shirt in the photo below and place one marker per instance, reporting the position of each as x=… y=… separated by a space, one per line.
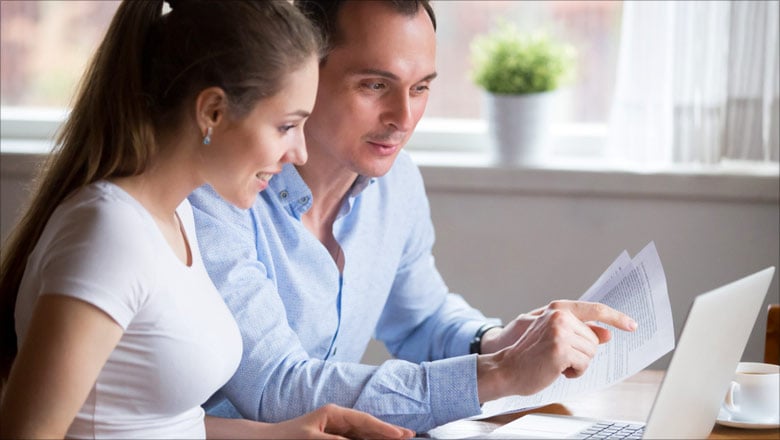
x=180 y=342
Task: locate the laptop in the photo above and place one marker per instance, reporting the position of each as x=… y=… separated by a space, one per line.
x=716 y=331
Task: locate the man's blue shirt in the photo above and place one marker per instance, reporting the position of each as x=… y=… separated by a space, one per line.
x=305 y=327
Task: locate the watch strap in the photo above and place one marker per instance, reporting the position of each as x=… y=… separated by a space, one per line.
x=475 y=347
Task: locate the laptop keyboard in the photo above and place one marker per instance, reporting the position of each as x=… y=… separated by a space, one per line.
x=612 y=430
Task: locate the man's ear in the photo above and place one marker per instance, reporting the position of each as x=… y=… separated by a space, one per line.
x=210 y=108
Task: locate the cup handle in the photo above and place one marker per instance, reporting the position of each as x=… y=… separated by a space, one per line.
x=728 y=402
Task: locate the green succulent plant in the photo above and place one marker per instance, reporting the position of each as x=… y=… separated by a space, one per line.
x=509 y=62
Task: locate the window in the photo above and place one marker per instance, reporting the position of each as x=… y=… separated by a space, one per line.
x=46 y=45
x=592 y=27
x=453 y=117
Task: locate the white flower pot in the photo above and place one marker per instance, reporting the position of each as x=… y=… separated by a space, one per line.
x=519 y=126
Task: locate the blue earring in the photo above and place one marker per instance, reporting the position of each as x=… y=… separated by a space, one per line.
x=207 y=138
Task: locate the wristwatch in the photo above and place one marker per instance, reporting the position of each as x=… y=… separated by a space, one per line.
x=475 y=347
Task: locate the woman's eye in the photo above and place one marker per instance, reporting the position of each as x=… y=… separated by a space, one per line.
x=286 y=128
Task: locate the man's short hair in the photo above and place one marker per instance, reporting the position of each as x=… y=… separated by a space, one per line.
x=324 y=15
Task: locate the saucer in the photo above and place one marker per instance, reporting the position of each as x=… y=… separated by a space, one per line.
x=725 y=419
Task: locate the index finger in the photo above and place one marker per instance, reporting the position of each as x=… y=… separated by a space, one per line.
x=590 y=311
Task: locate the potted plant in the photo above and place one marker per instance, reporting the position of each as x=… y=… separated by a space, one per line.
x=519 y=73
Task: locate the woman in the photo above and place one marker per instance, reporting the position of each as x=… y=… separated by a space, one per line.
x=120 y=331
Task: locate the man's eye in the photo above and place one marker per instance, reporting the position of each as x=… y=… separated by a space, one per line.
x=376 y=86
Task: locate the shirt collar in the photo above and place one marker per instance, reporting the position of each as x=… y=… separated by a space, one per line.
x=361 y=183
x=293 y=193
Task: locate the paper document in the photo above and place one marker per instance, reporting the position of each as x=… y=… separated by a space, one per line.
x=637 y=288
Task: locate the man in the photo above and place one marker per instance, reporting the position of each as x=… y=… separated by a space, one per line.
x=340 y=248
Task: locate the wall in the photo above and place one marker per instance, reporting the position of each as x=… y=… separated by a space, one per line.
x=513 y=240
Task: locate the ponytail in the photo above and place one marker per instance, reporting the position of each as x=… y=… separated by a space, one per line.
x=108 y=133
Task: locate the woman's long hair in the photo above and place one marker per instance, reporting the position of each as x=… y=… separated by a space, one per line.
x=148 y=69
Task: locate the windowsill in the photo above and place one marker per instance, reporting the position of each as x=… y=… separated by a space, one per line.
x=453 y=156
x=473 y=171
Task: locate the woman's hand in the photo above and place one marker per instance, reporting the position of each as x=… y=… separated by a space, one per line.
x=332 y=421
x=328 y=422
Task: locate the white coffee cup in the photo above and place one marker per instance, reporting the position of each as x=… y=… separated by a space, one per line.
x=754 y=393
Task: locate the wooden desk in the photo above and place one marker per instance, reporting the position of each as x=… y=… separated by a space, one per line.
x=631 y=399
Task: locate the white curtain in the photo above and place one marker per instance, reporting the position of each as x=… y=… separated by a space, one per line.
x=698 y=82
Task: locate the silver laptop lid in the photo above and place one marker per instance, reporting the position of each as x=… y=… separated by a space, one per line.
x=713 y=339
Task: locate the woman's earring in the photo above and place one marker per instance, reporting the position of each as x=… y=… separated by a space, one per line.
x=207 y=138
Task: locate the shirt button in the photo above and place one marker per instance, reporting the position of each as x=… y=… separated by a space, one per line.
x=303 y=199
x=283 y=194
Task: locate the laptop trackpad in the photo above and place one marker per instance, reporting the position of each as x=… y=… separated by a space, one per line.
x=542 y=426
